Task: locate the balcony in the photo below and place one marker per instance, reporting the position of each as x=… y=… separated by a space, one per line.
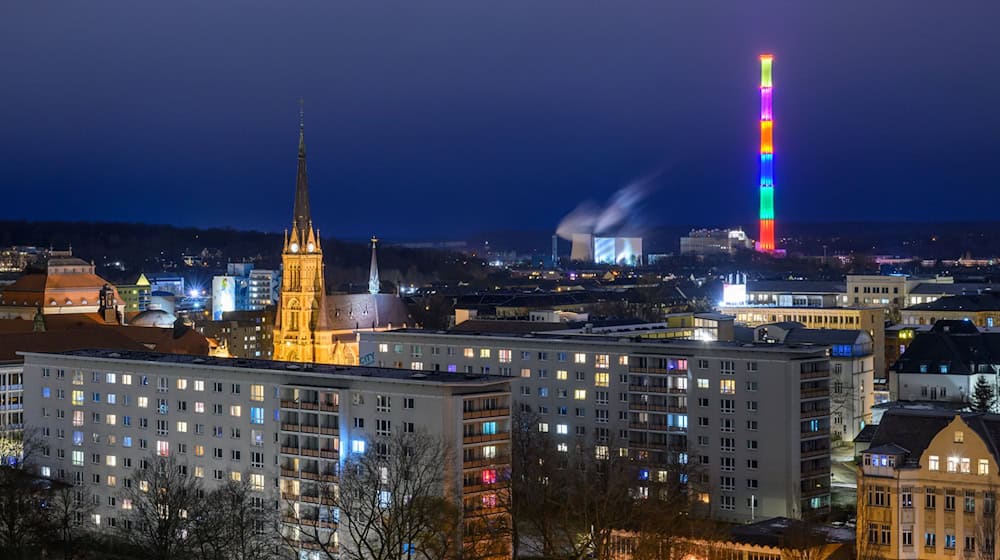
x=309 y=429
x=310 y=405
x=814 y=375
x=817 y=413
x=814 y=393
x=812 y=453
x=486 y=413
x=325 y=477
x=481 y=438
x=815 y=434
x=311 y=522
x=650 y=389
x=502 y=459
x=813 y=492
x=636 y=369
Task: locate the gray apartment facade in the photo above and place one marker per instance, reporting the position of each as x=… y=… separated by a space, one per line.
x=288 y=427
x=760 y=410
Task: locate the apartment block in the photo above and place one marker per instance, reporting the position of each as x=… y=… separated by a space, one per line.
x=646 y=398
x=287 y=426
x=928 y=486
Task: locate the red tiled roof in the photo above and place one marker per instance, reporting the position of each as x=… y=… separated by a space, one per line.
x=61 y=341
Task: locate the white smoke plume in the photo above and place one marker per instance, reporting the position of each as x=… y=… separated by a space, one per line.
x=620 y=210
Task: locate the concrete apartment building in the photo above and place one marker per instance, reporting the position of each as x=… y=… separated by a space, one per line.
x=761 y=410
x=287 y=426
x=927 y=486
x=853 y=392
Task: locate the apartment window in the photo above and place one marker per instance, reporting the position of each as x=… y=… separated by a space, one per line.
x=751 y=444
x=579 y=358
x=970 y=501
x=602 y=379
x=727 y=445
x=383 y=403
x=199 y=385
x=489 y=428
x=562 y=429
x=702 y=364
x=727 y=463
x=933 y=463
x=580 y=394
x=930 y=499
x=383 y=427
x=727 y=425
x=949 y=500
x=484 y=352
x=752 y=464
x=543 y=427
x=601 y=415
x=257 y=393
x=952 y=463
x=703 y=421
x=562 y=375
x=216 y=387
x=162 y=448
x=949 y=541
x=525 y=372
x=727 y=502
x=906 y=498
x=751 y=386
x=601 y=397
x=984 y=467
x=907 y=537
x=182 y=384
x=727 y=483
x=727 y=386
x=751 y=366
x=256 y=415
x=505 y=355
x=142 y=402
x=752 y=425
x=727 y=406
x=602 y=361
x=727 y=367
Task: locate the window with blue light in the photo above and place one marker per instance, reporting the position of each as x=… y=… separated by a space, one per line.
x=842 y=350
x=77 y=438
x=683 y=478
x=814 y=425
x=643 y=474
x=452 y=368
x=489 y=428
x=256 y=415
x=677 y=420
x=923 y=368
x=127 y=441
x=358 y=446
x=276 y=415
x=944 y=368
x=46 y=392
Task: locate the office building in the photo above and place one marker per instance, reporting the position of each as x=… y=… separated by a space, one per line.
x=287 y=427
x=662 y=401
x=927 y=486
x=705 y=242
x=136 y=296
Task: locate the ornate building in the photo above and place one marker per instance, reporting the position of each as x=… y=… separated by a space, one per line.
x=310 y=325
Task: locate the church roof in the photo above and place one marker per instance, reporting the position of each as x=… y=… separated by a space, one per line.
x=364 y=311
x=302 y=217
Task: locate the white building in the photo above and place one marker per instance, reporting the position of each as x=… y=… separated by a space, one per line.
x=287 y=426
x=646 y=398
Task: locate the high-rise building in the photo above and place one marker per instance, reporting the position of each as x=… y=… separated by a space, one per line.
x=287 y=427
x=752 y=420
x=766 y=236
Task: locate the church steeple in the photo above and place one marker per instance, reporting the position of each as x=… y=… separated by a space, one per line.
x=373 y=283
x=302 y=218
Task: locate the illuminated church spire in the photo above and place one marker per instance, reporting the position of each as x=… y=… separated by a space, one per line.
x=373 y=282
x=302 y=218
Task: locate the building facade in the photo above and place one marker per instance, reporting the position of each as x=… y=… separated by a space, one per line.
x=662 y=401
x=287 y=428
x=927 y=487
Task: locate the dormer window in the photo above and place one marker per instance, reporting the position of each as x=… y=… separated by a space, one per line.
x=959 y=436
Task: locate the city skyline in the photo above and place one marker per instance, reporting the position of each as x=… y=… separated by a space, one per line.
x=434 y=129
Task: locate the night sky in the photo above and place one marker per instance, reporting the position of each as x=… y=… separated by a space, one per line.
x=440 y=119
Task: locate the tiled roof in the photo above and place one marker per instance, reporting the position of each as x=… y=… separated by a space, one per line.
x=956 y=344
x=60 y=341
x=986 y=301
x=362 y=311
x=913 y=430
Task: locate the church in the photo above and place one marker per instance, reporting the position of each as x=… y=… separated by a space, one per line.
x=311 y=325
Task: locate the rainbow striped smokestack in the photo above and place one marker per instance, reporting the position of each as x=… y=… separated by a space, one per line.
x=765 y=241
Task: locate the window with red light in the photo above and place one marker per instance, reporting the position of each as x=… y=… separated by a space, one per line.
x=489 y=476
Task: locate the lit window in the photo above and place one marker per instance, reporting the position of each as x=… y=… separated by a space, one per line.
x=952 y=464
x=505 y=356
x=111 y=419
x=959 y=436
x=489 y=428
x=256 y=415
x=182 y=427
x=235 y=476
x=965 y=465
x=235 y=410
x=489 y=451
x=126 y=379
x=358 y=446
x=163 y=448
x=484 y=352
x=580 y=394
x=257 y=482
x=77 y=398
x=727 y=386
x=199 y=451
x=257 y=393
x=579 y=358
x=77 y=417
x=182 y=384
x=562 y=429
x=199 y=385
x=469 y=353
x=110 y=378
x=111 y=461
x=77 y=458
x=525 y=372
x=602 y=379
x=933 y=463
x=703 y=383
x=562 y=374
x=142 y=402
x=489 y=476
x=984 y=466
x=543 y=427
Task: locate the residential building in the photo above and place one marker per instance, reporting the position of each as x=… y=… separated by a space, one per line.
x=796 y=293
x=286 y=426
x=927 y=486
x=943 y=363
x=662 y=401
x=982 y=309
x=244 y=288
x=244 y=334
x=868 y=319
x=853 y=392
x=136 y=296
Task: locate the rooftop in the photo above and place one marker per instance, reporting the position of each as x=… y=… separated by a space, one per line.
x=985 y=301
x=798 y=286
x=913 y=430
x=289 y=368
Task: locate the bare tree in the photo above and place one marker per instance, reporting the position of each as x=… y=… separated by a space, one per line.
x=164 y=510
x=243 y=523
x=391 y=502
x=22 y=495
x=68 y=523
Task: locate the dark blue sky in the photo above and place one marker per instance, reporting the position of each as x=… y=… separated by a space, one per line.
x=436 y=119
